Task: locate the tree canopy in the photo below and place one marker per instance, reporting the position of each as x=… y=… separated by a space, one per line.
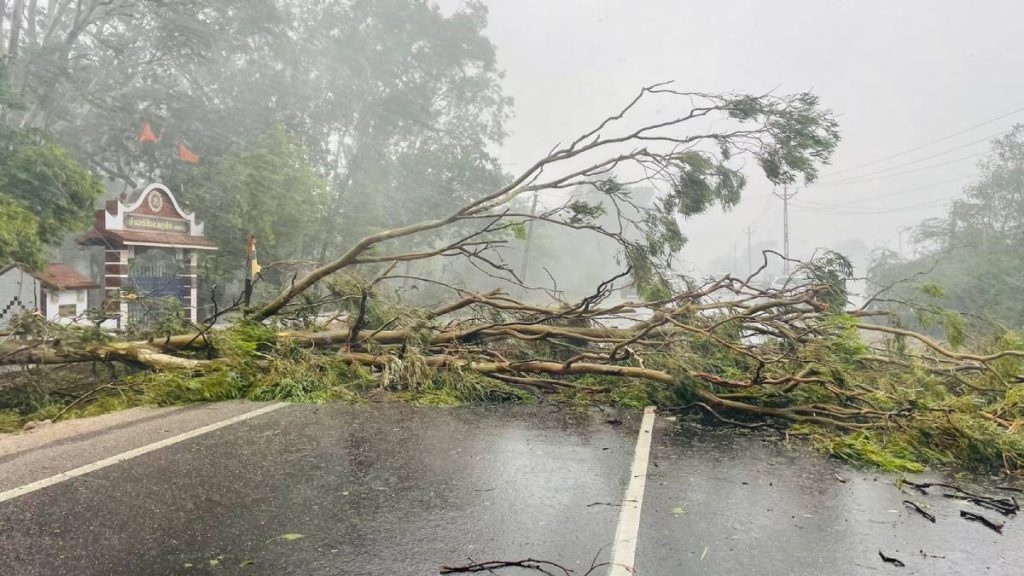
x=266 y=188
x=44 y=193
x=970 y=260
x=395 y=105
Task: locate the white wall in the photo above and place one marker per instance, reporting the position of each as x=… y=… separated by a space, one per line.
x=77 y=298
x=19 y=292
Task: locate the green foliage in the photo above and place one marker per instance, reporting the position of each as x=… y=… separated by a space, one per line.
x=952 y=323
x=267 y=188
x=244 y=341
x=834 y=270
x=313 y=378
x=580 y=212
x=970 y=259
x=160 y=318
x=959 y=436
x=173 y=388
x=10 y=421
x=637 y=397
x=803 y=134
x=415 y=381
x=381 y=97
x=382 y=308
x=518 y=231
x=34 y=325
x=19 y=235
x=867 y=447
x=932 y=290
x=699 y=182
x=44 y=194
x=794 y=136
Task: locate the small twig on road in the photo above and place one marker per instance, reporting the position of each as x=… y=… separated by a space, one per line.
x=922 y=488
x=1005 y=506
x=542 y=566
x=996 y=526
x=920 y=510
x=609 y=503
x=890 y=560
x=490 y=565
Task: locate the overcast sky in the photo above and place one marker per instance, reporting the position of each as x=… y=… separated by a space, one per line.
x=899 y=75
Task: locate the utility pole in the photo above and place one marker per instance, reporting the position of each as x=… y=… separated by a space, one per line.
x=750 y=252
x=786 y=195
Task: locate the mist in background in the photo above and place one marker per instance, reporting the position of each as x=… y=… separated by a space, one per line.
x=900 y=75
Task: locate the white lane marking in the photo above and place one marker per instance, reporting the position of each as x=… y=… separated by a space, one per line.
x=99 y=464
x=624 y=548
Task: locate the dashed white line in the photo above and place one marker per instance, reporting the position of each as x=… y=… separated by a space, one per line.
x=99 y=464
x=624 y=548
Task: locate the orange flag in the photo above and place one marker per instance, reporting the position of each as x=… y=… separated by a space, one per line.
x=187 y=155
x=147 y=134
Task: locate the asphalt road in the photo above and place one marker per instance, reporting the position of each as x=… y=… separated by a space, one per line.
x=394 y=489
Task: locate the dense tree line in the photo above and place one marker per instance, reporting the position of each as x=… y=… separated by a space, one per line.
x=338 y=117
x=969 y=260
x=44 y=192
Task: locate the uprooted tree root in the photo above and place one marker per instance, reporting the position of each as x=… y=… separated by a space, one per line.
x=726 y=351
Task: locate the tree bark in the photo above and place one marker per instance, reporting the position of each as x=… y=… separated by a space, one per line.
x=17 y=12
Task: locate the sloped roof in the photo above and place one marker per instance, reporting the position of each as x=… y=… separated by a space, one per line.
x=64 y=277
x=55 y=276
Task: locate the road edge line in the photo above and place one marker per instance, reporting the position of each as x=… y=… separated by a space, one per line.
x=628 y=528
x=128 y=455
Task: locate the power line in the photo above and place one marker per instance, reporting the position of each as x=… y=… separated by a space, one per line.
x=764 y=211
x=861 y=179
x=890 y=194
x=874 y=211
x=931 y=143
x=912 y=162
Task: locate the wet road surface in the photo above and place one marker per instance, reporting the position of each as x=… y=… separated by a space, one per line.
x=751 y=506
x=394 y=489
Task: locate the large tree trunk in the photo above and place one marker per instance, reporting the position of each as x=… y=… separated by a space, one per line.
x=17 y=13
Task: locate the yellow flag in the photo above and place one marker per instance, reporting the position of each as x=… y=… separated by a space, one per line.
x=254 y=266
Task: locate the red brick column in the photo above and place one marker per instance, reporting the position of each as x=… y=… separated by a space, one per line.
x=190 y=274
x=115 y=276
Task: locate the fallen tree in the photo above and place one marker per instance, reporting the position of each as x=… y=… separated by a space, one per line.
x=730 y=349
x=741 y=355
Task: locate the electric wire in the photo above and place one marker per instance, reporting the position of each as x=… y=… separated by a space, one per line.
x=859 y=180
x=931 y=143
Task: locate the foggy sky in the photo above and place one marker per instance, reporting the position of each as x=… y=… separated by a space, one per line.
x=899 y=75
